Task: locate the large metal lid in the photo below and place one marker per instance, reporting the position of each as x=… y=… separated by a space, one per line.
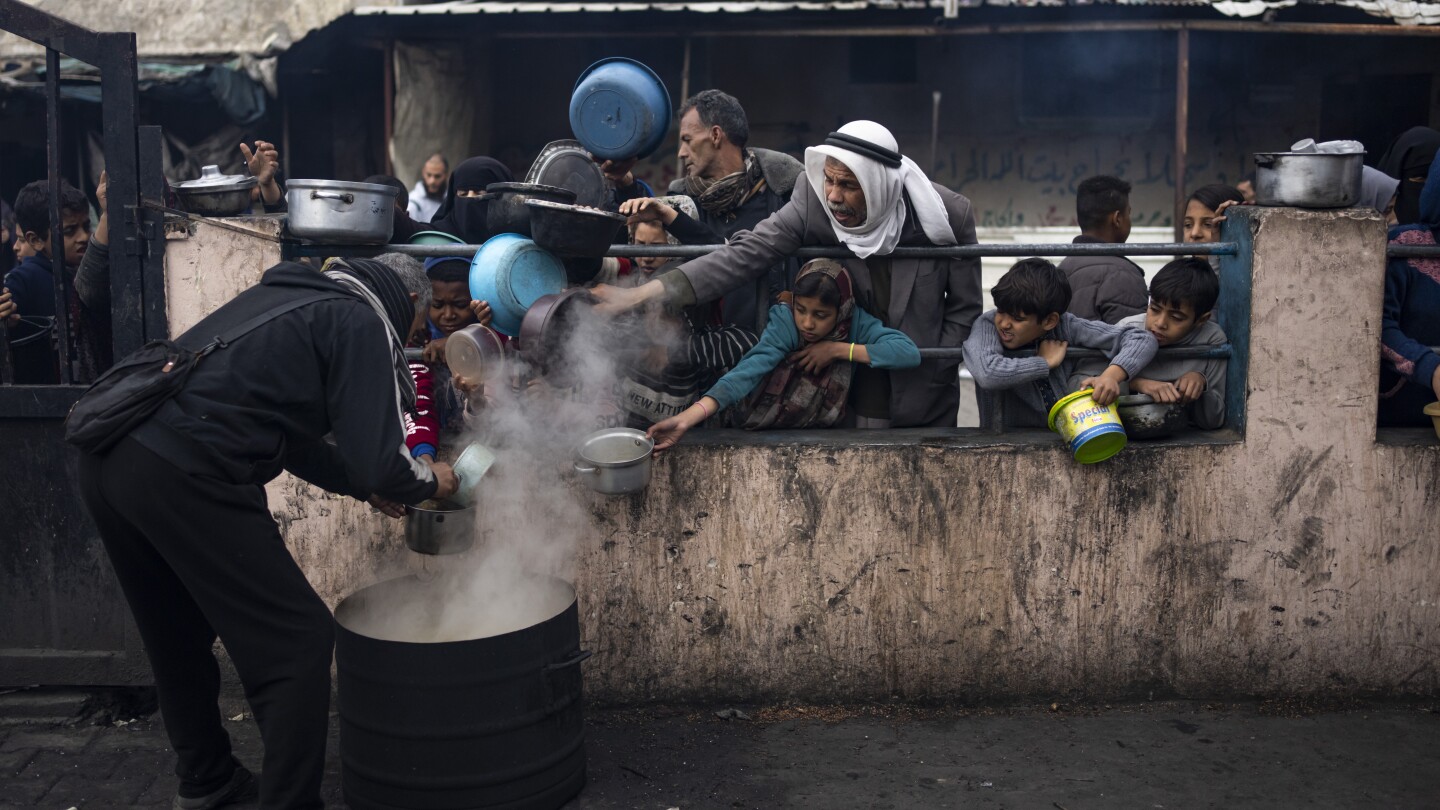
x=566 y=164
x=212 y=180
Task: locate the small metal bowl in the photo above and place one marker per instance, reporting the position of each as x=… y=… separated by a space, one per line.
x=1144 y=418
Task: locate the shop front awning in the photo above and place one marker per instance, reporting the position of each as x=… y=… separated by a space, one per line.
x=1409 y=13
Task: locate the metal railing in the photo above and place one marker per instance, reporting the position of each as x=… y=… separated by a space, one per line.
x=295 y=250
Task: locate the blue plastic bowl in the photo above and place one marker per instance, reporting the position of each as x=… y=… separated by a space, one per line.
x=620 y=109
x=511 y=272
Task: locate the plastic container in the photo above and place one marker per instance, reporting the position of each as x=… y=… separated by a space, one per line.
x=1433 y=411
x=1092 y=432
x=620 y=109
x=511 y=273
x=475 y=353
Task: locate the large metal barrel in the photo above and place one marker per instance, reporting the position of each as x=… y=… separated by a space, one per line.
x=491 y=722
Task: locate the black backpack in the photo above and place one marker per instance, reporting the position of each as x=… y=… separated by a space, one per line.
x=136 y=386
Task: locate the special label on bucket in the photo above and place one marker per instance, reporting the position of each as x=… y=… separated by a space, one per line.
x=1092 y=432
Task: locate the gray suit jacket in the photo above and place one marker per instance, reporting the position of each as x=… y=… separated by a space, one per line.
x=934 y=301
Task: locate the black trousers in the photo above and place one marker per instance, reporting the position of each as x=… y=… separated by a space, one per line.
x=197 y=557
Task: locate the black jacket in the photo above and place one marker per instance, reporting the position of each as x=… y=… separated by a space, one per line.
x=269 y=400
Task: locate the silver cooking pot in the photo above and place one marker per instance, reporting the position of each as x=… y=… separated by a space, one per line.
x=439 y=527
x=214 y=194
x=1308 y=179
x=615 y=461
x=343 y=213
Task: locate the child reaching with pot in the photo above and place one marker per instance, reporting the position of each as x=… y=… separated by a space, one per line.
x=798 y=375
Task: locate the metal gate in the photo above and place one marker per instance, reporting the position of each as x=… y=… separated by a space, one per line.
x=65 y=620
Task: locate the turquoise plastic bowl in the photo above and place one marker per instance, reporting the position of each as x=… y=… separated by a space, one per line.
x=511 y=272
x=620 y=109
x=435 y=238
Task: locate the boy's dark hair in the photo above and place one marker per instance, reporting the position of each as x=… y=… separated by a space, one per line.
x=1187 y=281
x=1098 y=197
x=32 y=206
x=1032 y=287
x=455 y=270
x=1212 y=195
x=817 y=285
x=720 y=109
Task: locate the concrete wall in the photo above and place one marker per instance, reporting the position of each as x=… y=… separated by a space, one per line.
x=1295 y=559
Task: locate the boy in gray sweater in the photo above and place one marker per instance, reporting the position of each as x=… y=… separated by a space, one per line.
x=1180 y=313
x=1030 y=303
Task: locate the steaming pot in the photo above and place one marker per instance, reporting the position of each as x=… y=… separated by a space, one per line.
x=487 y=721
x=439 y=527
x=615 y=461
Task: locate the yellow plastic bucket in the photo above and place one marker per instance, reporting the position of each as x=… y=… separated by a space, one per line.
x=1092 y=432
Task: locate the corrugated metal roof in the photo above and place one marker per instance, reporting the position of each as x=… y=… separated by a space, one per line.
x=1404 y=12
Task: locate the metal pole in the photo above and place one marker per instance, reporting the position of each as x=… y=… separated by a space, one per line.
x=1182 y=125
x=389 y=106
x=684 y=94
x=934 y=131
x=61 y=335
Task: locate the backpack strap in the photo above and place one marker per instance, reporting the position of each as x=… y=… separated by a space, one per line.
x=230 y=335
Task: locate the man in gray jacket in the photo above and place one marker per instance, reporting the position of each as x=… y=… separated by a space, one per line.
x=860 y=192
x=734 y=187
x=1105 y=288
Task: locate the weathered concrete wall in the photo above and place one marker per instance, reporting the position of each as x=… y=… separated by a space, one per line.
x=1299 y=558
x=196 y=27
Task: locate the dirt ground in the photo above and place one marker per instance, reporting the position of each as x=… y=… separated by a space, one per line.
x=1145 y=755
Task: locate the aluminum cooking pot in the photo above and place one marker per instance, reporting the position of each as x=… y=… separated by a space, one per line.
x=341 y=213
x=1308 y=179
x=439 y=527
x=615 y=461
x=215 y=194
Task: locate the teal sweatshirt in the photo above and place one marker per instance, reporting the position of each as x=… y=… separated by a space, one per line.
x=889 y=349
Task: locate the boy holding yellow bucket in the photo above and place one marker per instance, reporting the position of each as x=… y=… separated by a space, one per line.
x=1031 y=300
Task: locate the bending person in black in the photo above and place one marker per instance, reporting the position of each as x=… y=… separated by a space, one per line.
x=180 y=505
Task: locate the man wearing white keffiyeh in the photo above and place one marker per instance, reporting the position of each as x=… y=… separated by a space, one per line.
x=864 y=194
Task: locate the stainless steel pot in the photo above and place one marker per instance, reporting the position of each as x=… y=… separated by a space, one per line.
x=344 y=213
x=1308 y=180
x=615 y=461
x=439 y=527
x=215 y=194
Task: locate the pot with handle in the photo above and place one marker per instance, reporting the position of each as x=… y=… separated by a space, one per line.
x=439 y=527
x=1308 y=179
x=615 y=461
x=338 y=212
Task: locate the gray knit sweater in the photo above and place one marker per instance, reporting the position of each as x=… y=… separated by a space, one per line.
x=1129 y=348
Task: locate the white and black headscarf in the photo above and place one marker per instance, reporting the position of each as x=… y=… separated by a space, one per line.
x=869 y=151
x=378 y=286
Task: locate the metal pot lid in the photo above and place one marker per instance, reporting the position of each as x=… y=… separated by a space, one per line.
x=580 y=210
x=342 y=185
x=566 y=164
x=1131 y=400
x=212 y=180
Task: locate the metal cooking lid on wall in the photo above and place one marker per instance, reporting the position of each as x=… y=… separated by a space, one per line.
x=566 y=164
x=212 y=180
